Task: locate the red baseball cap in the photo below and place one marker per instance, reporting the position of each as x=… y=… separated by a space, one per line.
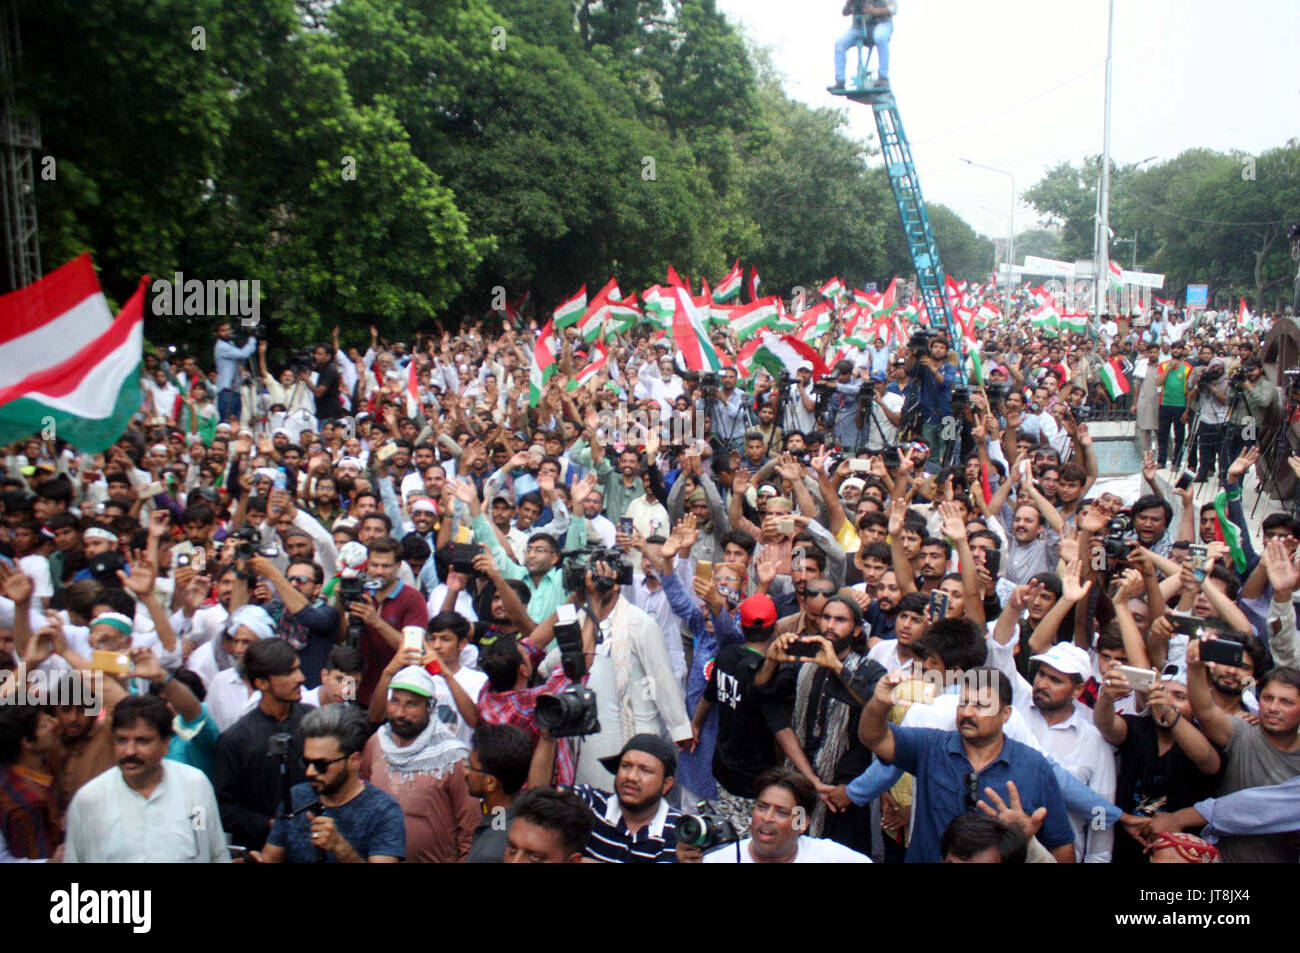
x=758 y=612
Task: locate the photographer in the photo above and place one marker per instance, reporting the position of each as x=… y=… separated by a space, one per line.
x=842 y=408
x=800 y=402
x=1260 y=402
x=631 y=673
x=728 y=415
x=1209 y=386
x=932 y=378
x=384 y=612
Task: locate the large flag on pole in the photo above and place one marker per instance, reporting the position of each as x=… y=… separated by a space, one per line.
x=1114 y=379
x=599 y=358
x=1116 y=276
x=68 y=368
x=691 y=335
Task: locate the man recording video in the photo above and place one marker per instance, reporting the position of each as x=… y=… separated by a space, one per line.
x=873 y=23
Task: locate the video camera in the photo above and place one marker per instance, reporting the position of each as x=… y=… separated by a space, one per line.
x=104 y=569
x=248 y=543
x=572 y=712
x=1116 y=544
x=919 y=342
x=576 y=562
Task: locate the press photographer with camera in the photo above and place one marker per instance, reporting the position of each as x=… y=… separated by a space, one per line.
x=384 y=608
x=631 y=674
x=932 y=379
x=1259 y=401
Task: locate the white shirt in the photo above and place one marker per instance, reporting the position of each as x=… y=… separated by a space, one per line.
x=810 y=850
x=229 y=698
x=657 y=701
x=38 y=567
x=202 y=626
x=472 y=682
x=464 y=602
x=178 y=823
x=1078 y=746
x=885 y=653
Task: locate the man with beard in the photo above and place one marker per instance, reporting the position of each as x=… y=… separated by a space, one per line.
x=495 y=773
x=820 y=738
x=347 y=820
x=634 y=824
x=812 y=590
x=909 y=615
x=419 y=761
x=881 y=613
x=1254 y=755
x=245 y=774
x=197 y=626
x=147 y=809
x=1066 y=733
x=704 y=503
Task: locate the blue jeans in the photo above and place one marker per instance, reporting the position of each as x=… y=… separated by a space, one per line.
x=228 y=404
x=879 y=39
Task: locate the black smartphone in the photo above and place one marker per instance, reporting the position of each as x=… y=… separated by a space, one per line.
x=625 y=525
x=1188 y=625
x=993 y=561
x=1185 y=480
x=802 y=649
x=938 y=605
x=1222 y=651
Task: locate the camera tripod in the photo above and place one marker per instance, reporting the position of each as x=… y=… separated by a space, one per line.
x=1277 y=447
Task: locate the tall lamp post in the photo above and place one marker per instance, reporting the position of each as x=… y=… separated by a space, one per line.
x=1011 y=229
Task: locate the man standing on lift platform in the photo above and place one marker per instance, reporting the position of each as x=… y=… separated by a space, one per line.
x=873 y=23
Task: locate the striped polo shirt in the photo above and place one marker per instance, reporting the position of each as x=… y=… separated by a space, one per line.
x=655 y=843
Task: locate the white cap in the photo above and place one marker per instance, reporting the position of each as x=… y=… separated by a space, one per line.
x=852 y=483
x=805 y=366
x=1067 y=659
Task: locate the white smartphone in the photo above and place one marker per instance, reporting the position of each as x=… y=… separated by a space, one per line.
x=413 y=637
x=1140 y=679
x=858 y=465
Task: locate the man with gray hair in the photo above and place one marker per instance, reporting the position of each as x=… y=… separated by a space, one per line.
x=337 y=816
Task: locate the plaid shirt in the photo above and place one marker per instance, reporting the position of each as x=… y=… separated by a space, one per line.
x=519 y=708
x=28 y=817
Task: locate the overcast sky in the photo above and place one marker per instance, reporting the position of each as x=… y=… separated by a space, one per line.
x=1019 y=84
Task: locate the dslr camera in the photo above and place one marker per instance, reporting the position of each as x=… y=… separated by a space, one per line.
x=1116 y=544
x=104 y=569
x=248 y=543
x=704 y=830
x=577 y=561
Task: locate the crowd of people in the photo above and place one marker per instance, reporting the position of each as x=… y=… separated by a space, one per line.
x=385 y=605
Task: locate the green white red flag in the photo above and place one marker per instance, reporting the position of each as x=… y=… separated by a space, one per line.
x=68 y=365
x=1113 y=378
x=729 y=286
x=599 y=358
x=571 y=310
x=690 y=334
x=543 y=364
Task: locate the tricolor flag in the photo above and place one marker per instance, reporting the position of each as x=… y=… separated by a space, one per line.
x=748 y=319
x=599 y=358
x=1244 y=316
x=67 y=362
x=975 y=367
x=784 y=352
x=1116 y=276
x=413 y=387
x=1114 y=379
x=622 y=315
x=691 y=335
x=1078 y=323
x=659 y=306
x=986 y=316
x=1228 y=529
x=729 y=286
x=815 y=322
x=832 y=289
x=1045 y=318
x=543 y=368
x=570 y=310
x=593 y=321
x=674 y=280
x=753 y=283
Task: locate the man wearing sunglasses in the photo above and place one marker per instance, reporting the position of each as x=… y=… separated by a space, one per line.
x=953 y=768
x=303 y=619
x=338 y=816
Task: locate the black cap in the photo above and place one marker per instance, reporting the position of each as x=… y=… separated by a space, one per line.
x=652 y=745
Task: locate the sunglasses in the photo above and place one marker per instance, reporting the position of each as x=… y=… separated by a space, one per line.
x=300 y=579
x=321 y=765
x=820 y=591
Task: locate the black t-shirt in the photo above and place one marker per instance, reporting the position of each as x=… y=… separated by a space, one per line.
x=746 y=720
x=328 y=404
x=827 y=687
x=881 y=622
x=1145 y=775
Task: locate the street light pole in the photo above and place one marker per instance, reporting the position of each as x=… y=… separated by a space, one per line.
x=1102 y=263
x=1011 y=230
